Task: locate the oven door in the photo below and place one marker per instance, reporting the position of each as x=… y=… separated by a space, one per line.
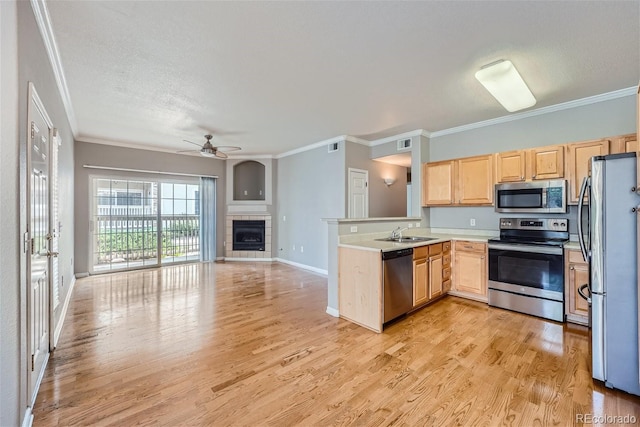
x=533 y=270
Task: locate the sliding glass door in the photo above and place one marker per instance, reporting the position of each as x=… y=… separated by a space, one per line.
x=180 y=222
x=139 y=223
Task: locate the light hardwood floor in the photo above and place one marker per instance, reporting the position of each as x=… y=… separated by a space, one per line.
x=250 y=344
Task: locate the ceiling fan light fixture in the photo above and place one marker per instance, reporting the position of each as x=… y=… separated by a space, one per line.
x=505 y=84
x=207 y=153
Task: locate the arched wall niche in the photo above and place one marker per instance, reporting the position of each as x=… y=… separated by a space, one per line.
x=249 y=180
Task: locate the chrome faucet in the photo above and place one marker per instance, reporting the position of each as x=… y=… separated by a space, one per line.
x=397 y=233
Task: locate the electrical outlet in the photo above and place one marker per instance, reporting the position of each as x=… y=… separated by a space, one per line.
x=284 y=218
x=410 y=225
x=294 y=248
x=354 y=228
x=417 y=224
x=246 y=193
x=472 y=222
x=301 y=249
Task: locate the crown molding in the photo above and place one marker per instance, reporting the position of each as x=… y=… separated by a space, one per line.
x=43 y=20
x=630 y=91
x=250 y=156
x=341 y=138
x=93 y=140
x=393 y=138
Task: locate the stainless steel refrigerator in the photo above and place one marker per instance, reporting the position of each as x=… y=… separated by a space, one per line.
x=609 y=243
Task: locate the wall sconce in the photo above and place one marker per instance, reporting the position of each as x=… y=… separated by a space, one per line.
x=389 y=181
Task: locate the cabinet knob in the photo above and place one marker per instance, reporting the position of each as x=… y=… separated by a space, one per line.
x=482 y=257
x=572 y=268
x=522 y=177
x=533 y=176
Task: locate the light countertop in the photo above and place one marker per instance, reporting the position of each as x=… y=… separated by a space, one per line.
x=370 y=244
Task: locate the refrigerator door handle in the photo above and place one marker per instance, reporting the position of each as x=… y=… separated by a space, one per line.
x=583 y=245
x=581 y=290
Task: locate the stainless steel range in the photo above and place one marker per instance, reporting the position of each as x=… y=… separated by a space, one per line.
x=526 y=266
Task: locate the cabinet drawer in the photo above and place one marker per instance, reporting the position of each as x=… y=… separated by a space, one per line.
x=446 y=273
x=462 y=245
x=435 y=249
x=420 y=252
x=446 y=246
x=446 y=260
x=576 y=257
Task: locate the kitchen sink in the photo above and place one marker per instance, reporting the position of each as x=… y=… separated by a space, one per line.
x=406 y=239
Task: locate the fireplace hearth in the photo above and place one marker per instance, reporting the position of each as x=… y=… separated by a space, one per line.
x=248 y=235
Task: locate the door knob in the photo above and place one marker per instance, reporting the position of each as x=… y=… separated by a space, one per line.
x=52 y=254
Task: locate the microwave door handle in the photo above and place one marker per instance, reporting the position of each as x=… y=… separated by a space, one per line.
x=583 y=246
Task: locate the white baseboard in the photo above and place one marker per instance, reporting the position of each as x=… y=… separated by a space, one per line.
x=249 y=259
x=220 y=258
x=81 y=275
x=303 y=266
x=333 y=312
x=27 y=421
x=63 y=313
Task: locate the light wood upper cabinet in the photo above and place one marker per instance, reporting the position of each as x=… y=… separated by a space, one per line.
x=624 y=144
x=547 y=162
x=511 y=166
x=576 y=274
x=474 y=180
x=579 y=163
x=437 y=183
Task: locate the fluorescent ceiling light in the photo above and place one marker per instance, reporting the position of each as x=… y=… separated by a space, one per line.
x=503 y=81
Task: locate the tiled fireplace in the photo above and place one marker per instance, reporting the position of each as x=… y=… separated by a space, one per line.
x=244 y=238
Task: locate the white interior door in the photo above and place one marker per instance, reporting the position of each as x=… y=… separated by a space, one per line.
x=358 y=193
x=40 y=239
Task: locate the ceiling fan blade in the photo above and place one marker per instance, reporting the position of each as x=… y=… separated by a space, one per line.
x=221 y=155
x=197 y=145
x=188 y=151
x=227 y=148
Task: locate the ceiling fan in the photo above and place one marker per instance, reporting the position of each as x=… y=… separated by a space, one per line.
x=208 y=150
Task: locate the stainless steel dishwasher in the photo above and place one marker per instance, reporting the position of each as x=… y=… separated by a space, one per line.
x=397 y=271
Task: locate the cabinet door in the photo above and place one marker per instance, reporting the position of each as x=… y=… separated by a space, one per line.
x=435 y=276
x=623 y=144
x=547 y=162
x=579 y=163
x=510 y=166
x=474 y=182
x=470 y=272
x=420 y=280
x=578 y=276
x=437 y=183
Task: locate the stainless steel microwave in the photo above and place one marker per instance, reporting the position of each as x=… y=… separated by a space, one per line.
x=548 y=196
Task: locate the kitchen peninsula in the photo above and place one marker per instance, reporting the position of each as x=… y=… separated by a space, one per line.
x=355 y=283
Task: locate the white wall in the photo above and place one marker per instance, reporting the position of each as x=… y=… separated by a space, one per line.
x=10 y=366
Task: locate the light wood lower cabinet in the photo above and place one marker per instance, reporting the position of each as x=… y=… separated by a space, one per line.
x=470 y=270
x=420 y=276
x=576 y=274
x=431 y=272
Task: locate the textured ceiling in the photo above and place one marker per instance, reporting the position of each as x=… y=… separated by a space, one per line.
x=275 y=76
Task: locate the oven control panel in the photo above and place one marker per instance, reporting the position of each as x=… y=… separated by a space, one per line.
x=540 y=224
